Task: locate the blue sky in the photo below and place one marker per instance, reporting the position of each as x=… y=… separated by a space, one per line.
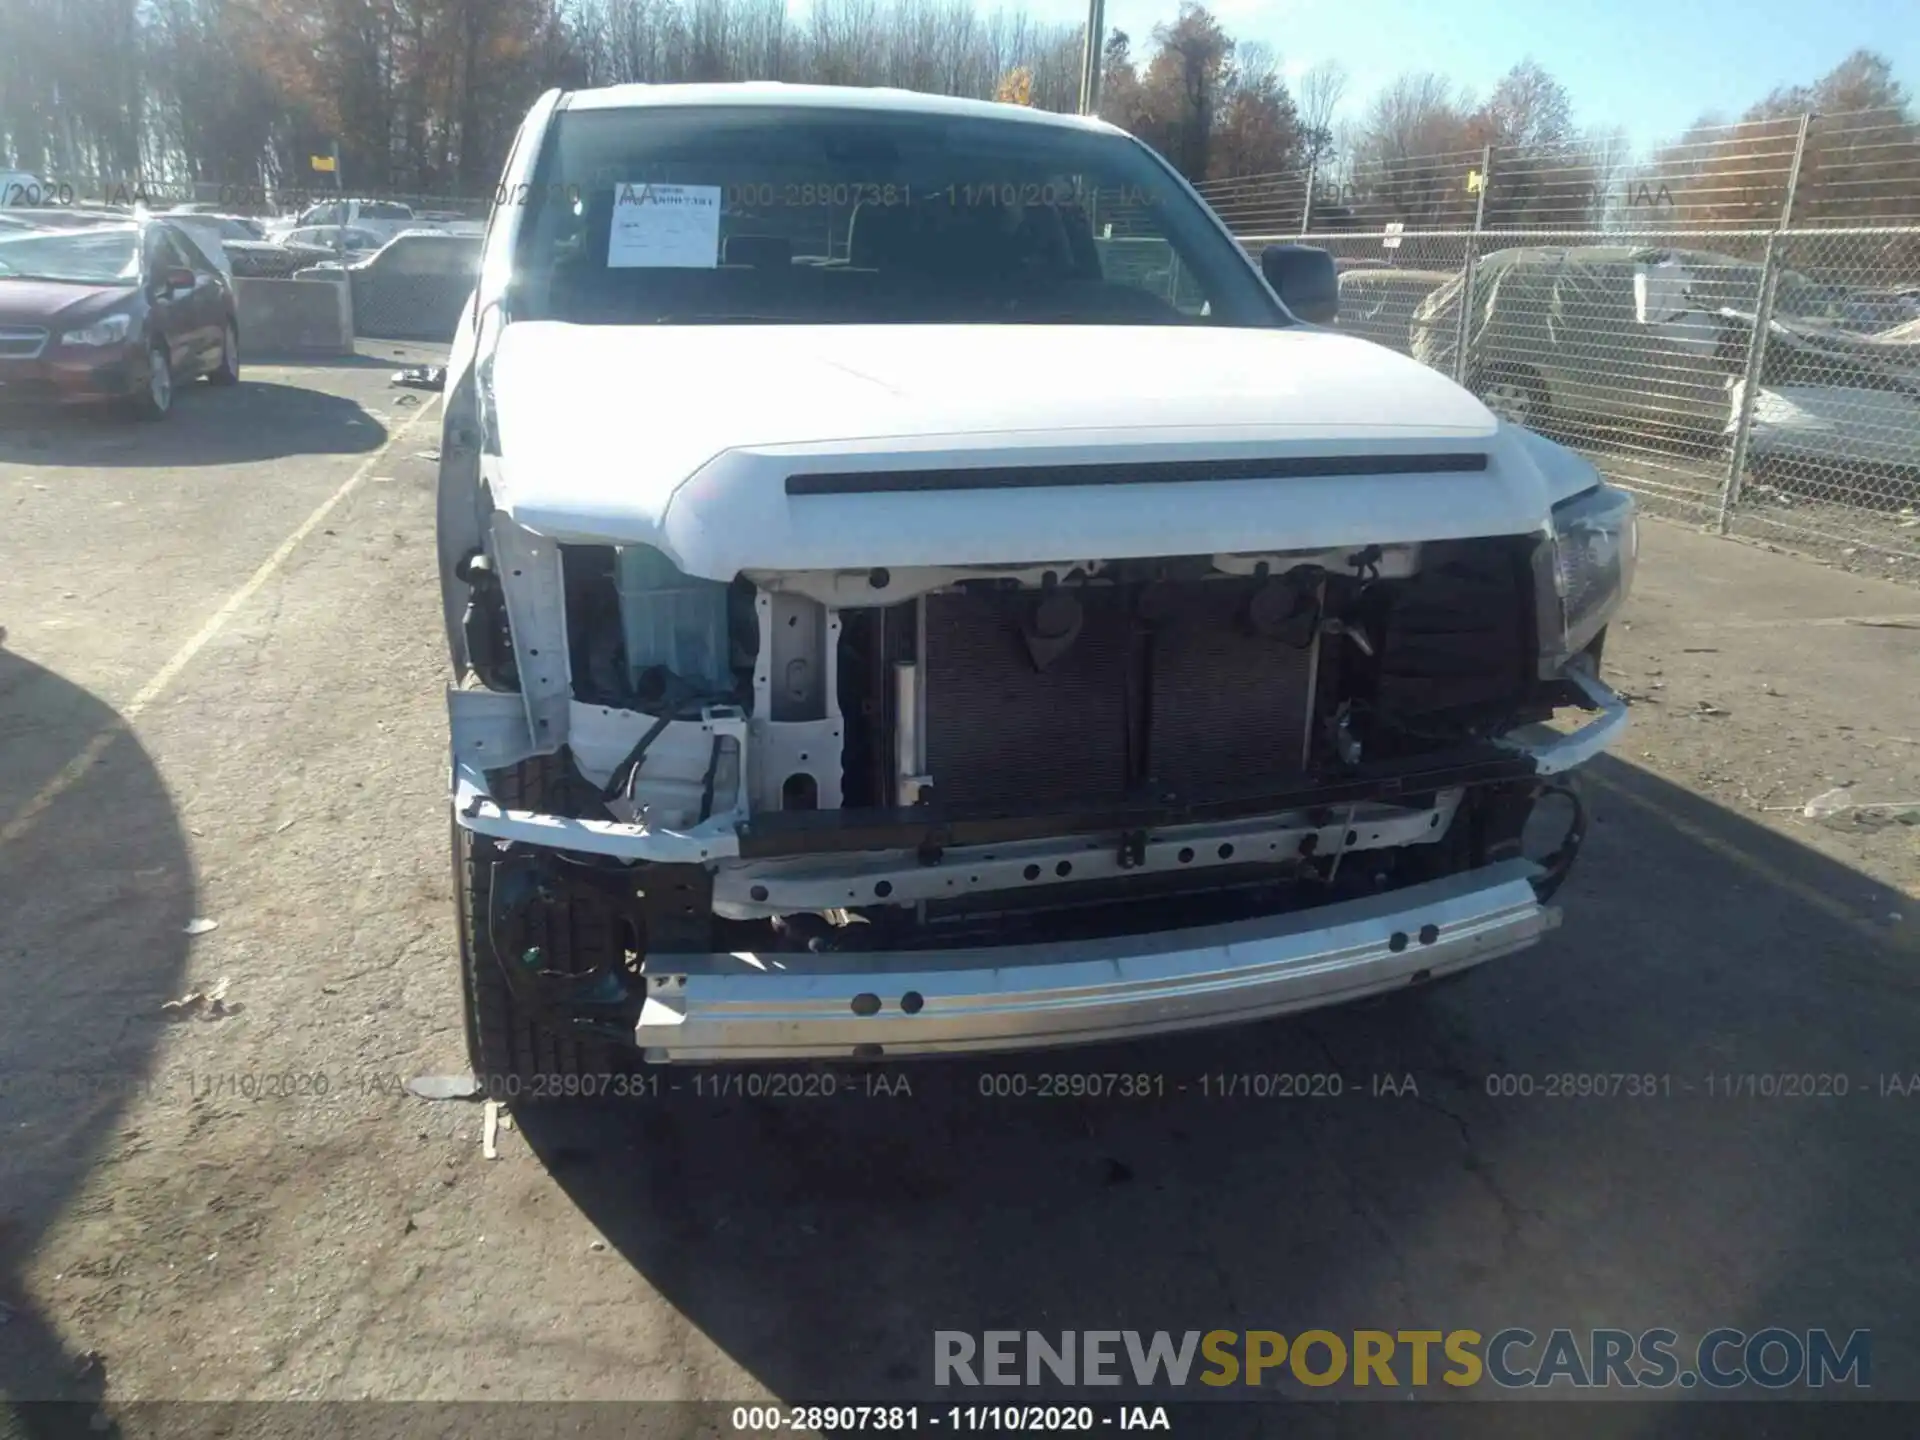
x=1650 y=65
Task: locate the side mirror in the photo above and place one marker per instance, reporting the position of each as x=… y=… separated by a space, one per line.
x=1304 y=278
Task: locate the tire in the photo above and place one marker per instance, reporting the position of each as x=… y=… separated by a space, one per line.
x=155 y=400
x=228 y=370
x=1514 y=393
x=515 y=1058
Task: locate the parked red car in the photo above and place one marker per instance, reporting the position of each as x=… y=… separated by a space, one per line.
x=125 y=312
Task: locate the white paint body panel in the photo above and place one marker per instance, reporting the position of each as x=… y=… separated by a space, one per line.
x=682 y=438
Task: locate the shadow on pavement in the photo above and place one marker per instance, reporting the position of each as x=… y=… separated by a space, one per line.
x=821 y=1242
x=373 y=355
x=253 y=421
x=95 y=894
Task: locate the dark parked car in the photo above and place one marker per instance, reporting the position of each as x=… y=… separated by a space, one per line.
x=123 y=312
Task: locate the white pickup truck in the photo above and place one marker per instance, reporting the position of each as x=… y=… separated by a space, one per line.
x=892 y=617
x=382 y=219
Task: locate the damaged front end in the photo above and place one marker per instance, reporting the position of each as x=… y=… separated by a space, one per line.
x=941 y=809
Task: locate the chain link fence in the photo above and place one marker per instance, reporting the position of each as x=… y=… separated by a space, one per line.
x=1735 y=368
x=1762 y=382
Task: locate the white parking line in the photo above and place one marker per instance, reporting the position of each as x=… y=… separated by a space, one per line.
x=90 y=753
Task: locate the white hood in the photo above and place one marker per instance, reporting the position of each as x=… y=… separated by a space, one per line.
x=682 y=437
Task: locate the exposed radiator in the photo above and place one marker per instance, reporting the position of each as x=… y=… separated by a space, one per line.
x=1001 y=733
x=1217 y=705
x=1229 y=706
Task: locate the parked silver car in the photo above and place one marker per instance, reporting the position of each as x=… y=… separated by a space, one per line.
x=1655 y=340
x=1639 y=336
x=353 y=242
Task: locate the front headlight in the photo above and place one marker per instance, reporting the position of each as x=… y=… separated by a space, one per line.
x=110 y=331
x=486 y=406
x=1586 y=571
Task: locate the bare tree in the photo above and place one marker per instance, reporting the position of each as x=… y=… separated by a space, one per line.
x=1317 y=97
x=1528 y=108
x=1120 y=97
x=1411 y=152
x=1185 y=85
x=1542 y=169
x=1257 y=129
x=427 y=93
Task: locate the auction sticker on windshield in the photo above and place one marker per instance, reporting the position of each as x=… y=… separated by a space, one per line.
x=665 y=227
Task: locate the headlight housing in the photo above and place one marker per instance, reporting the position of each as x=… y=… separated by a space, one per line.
x=486 y=406
x=110 y=331
x=1585 y=571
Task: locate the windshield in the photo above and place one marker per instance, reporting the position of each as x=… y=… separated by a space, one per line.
x=762 y=214
x=105 y=253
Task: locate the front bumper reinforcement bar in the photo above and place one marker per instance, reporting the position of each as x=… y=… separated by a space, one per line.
x=871 y=1005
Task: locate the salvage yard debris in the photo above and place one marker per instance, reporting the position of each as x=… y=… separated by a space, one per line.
x=210 y=1003
x=1828 y=802
x=200 y=925
x=443 y=1087
x=1839 y=801
x=489 y=1140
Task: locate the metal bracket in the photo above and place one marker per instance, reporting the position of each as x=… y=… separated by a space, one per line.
x=489 y=728
x=676 y=906
x=529 y=569
x=1555 y=752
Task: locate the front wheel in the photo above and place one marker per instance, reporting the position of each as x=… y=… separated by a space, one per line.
x=515 y=1056
x=228 y=370
x=1513 y=393
x=154 y=400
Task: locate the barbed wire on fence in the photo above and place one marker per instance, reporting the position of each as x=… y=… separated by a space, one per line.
x=1842 y=168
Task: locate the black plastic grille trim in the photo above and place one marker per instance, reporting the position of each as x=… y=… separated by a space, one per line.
x=1152 y=472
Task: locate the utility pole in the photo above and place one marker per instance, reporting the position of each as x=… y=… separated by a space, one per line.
x=1091 y=57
